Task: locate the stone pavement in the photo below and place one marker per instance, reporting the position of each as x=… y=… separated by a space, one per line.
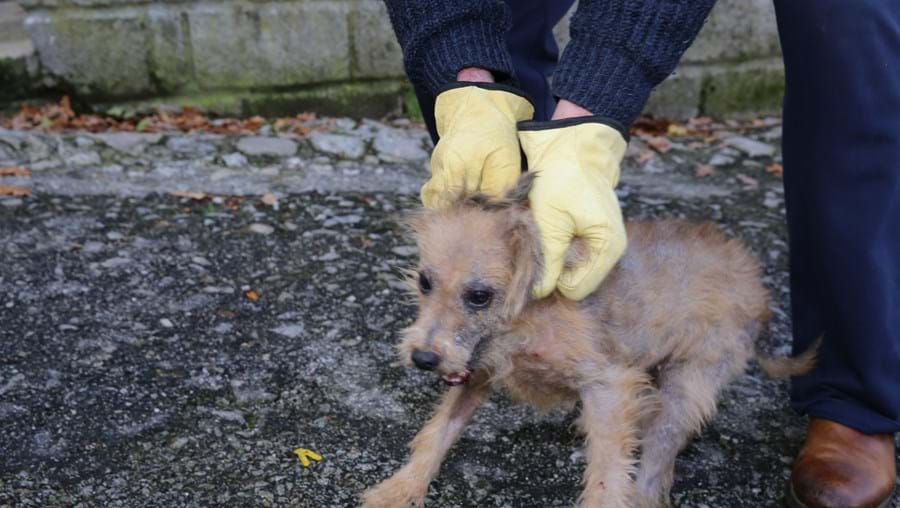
x=173 y=350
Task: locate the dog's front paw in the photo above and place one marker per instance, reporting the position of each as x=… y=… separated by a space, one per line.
x=396 y=492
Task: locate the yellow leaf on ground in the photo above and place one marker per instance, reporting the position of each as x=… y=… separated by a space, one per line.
x=252 y=295
x=676 y=130
x=304 y=455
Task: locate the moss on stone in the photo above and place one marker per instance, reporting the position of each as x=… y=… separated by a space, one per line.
x=360 y=99
x=744 y=89
x=14 y=80
x=411 y=107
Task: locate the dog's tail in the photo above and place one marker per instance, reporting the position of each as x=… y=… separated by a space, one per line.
x=785 y=367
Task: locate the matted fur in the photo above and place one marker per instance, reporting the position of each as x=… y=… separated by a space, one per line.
x=647 y=354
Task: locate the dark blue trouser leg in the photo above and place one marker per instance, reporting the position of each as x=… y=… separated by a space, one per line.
x=842 y=186
x=534 y=54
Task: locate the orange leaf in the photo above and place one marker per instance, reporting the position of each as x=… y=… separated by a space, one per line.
x=14 y=190
x=251 y=295
x=775 y=169
x=14 y=171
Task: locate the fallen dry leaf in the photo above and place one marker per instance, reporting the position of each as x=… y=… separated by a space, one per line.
x=60 y=116
x=676 y=130
x=699 y=121
x=251 y=295
x=14 y=190
x=749 y=182
x=775 y=169
x=650 y=126
x=14 y=171
x=704 y=170
x=659 y=143
x=197 y=196
x=270 y=199
x=644 y=156
x=305 y=454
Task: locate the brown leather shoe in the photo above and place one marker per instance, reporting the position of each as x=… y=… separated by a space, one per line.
x=839 y=467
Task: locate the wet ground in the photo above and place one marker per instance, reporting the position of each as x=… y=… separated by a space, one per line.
x=161 y=350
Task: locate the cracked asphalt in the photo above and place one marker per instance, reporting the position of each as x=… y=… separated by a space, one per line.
x=158 y=350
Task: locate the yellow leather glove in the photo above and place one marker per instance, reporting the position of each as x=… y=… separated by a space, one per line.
x=577 y=165
x=477 y=149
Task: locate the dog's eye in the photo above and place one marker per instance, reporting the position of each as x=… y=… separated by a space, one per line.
x=424 y=283
x=478 y=298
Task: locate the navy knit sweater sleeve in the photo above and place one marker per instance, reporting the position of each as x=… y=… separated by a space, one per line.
x=619 y=49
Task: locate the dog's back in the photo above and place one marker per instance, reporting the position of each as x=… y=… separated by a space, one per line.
x=679 y=290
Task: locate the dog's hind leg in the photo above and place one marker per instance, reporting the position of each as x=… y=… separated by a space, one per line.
x=409 y=485
x=687 y=400
x=611 y=408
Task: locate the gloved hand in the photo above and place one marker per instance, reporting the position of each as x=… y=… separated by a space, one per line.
x=477 y=149
x=577 y=165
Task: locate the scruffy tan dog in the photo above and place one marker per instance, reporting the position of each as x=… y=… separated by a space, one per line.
x=646 y=354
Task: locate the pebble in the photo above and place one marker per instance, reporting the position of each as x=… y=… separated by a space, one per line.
x=291 y=331
x=190 y=145
x=166 y=323
x=229 y=416
x=751 y=147
x=395 y=145
x=340 y=145
x=235 y=160
x=93 y=247
x=721 y=159
x=116 y=262
x=129 y=142
x=261 y=229
x=264 y=145
x=83 y=159
x=405 y=250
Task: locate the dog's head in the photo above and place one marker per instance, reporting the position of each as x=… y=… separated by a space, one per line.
x=478 y=262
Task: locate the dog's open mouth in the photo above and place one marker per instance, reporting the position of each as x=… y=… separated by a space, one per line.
x=456 y=378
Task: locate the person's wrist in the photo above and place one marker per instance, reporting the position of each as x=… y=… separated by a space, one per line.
x=566 y=109
x=475 y=75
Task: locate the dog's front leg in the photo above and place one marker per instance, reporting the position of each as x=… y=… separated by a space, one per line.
x=409 y=485
x=610 y=412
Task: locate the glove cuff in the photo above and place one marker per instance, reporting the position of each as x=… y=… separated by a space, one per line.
x=493 y=87
x=586 y=143
x=532 y=125
x=504 y=101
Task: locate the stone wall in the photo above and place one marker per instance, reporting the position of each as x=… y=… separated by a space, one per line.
x=334 y=56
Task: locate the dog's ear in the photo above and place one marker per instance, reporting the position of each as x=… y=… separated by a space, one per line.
x=518 y=195
x=524 y=242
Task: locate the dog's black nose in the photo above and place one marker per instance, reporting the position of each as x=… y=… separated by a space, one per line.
x=425 y=360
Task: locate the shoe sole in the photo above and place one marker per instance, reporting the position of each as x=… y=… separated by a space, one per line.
x=792 y=501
